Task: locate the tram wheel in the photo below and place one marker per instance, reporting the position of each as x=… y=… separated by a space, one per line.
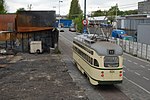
x=38 y=51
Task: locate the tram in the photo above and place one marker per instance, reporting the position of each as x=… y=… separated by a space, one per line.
x=100 y=60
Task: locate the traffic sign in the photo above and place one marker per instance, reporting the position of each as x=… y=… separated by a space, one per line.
x=85 y=22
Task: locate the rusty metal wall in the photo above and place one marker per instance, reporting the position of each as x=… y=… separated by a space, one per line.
x=7 y=22
x=35 y=20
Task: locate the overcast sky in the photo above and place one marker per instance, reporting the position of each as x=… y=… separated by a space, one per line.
x=92 y=5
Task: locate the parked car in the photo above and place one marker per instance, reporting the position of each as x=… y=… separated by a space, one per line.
x=130 y=38
x=60 y=29
x=118 y=33
x=72 y=29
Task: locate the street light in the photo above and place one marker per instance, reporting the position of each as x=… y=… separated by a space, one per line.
x=59 y=13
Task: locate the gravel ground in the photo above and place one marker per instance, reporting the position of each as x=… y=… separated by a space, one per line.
x=37 y=77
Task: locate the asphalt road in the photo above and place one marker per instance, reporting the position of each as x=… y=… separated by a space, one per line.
x=136 y=75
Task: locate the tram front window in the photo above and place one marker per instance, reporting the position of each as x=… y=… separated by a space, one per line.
x=111 y=62
x=96 y=63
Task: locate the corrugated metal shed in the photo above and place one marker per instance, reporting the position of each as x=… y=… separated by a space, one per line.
x=7 y=22
x=143 y=33
x=7 y=36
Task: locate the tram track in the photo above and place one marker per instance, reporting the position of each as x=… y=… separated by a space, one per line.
x=100 y=92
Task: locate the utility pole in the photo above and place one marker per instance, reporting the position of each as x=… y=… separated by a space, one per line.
x=116 y=14
x=84 y=9
x=85 y=26
x=59 y=14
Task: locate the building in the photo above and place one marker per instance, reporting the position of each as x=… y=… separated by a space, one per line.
x=7 y=22
x=36 y=26
x=143 y=35
x=144 y=7
x=17 y=31
x=7 y=30
x=130 y=23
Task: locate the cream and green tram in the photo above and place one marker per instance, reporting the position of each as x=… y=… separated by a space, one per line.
x=101 y=61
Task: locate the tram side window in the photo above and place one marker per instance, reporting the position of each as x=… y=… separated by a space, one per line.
x=91 y=61
x=96 y=63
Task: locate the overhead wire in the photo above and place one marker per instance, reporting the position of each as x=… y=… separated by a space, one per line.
x=123 y=6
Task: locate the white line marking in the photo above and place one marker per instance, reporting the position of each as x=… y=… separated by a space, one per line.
x=137 y=58
x=135 y=63
x=137 y=73
x=142 y=66
x=148 y=69
x=137 y=85
x=129 y=61
x=67 y=40
x=146 y=78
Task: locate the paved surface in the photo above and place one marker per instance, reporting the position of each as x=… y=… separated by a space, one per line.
x=136 y=75
x=38 y=77
x=104 y=92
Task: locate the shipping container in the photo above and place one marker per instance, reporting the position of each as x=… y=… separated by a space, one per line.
x=7 y=22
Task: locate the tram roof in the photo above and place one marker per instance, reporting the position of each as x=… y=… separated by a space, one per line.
x=101 y=47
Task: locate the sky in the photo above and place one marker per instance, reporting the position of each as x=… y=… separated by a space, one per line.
x=92 y=5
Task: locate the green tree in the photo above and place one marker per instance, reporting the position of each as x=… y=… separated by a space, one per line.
x=75 y=9
x=20 y=9
x=2 y=7
x=99 y=13
x=129 y=12
x=113 y=12
x=78 y=22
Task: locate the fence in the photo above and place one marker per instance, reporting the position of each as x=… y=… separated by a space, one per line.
x=134 y=48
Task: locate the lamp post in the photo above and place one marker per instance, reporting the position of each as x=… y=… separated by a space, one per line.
x=59 y=13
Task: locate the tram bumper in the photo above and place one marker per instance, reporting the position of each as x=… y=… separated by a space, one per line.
x=110 y=82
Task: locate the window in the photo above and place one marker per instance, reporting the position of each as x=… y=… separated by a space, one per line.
x=91 y=61
x=96 y=63
x=86 y=49
x=111 y=61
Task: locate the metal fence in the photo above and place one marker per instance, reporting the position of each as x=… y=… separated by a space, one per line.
x=134 y=48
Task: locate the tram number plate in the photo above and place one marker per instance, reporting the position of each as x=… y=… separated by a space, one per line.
x=112 y=71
